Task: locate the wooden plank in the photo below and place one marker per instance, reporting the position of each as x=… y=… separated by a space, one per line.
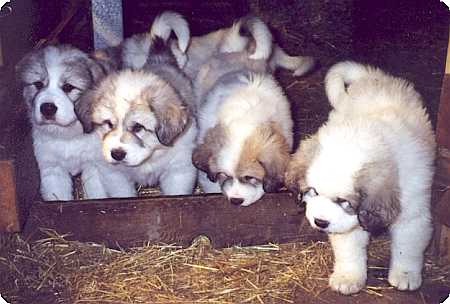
x=9 y=216
x=176 y=219
x=443 y=120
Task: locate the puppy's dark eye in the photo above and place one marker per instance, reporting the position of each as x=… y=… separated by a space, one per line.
x=38 y=85
x=137 y=127
x=67 y=88
x=108 y=123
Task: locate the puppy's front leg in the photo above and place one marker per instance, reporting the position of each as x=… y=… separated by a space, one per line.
x=92 y=183
x=350 y=261
x=56 y=184
x=409 y=241
x=178 y=181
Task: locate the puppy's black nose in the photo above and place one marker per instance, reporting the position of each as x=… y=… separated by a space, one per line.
x=48 y=109
x=321 y=223
x=118 y=154
x=236 y=201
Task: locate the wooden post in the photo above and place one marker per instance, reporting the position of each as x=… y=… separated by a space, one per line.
x=9 y=215
x=442 y=177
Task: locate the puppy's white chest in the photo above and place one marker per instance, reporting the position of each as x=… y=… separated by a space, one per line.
x=71 y=154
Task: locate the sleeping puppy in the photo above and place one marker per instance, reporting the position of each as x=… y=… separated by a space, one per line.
x=245 y=127
x=369 y=168
x=145 y=118
x=53 y=78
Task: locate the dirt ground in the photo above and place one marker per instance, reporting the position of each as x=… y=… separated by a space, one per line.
x=405 y=37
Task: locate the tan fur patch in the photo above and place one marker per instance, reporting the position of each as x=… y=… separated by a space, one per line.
x=296 y=172
x=265 y=155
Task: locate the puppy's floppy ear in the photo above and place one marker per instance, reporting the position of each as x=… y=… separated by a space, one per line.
x=83 y=110
x=204 y=155
x=173 y=116
x=295 y=177
x=379 y=203
x=96 y=70
x=173 y=119
x=201 y=158
x=274 y=157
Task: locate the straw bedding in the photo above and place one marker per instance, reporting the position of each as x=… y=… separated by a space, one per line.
x=63 y=271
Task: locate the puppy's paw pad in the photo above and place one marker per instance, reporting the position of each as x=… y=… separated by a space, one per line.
x=347 y=283
x=405 y=280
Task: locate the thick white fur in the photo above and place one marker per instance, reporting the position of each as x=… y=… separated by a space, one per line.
x=135 y=49
x=60 y=146
x=377 y=119
x=168 y=21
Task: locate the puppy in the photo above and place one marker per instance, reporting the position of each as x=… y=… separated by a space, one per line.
x=192 y=53
x=367 y=169
x=53 y=80
x=144 y=116
x=245 y=126
x=238 y=37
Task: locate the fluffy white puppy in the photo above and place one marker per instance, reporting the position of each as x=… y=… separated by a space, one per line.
x=369 y=168
x=53 y=79
x=145 y=117
x=245 y=128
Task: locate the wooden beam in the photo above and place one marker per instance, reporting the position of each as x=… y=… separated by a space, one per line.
x=9 y=215
x=175 y=219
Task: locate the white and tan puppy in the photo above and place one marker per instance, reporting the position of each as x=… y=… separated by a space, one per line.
x=145 y=117
x=369 y=168
x=245 y=127
x=53 y=80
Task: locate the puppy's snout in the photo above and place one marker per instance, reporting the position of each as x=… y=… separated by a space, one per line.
x=321 y=223
x=48 y=109
x=236 y=201
x=118 y=154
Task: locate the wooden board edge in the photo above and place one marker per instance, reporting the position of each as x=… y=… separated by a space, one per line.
x=124 y=223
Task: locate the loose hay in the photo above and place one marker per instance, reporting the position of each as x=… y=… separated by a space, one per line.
x=74 y=272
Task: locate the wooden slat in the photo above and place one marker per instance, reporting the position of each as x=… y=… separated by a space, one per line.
x=176 y=219
x=443 y=121
x=9 y=218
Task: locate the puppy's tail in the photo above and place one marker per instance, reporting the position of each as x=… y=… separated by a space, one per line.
x=340 y=76
x=237 y=38
x=167 y=22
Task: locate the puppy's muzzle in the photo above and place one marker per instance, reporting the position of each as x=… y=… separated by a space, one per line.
x=118 y=154
x=48 y=110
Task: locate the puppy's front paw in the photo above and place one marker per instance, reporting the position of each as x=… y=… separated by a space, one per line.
x=405 y=280
x=347 y=282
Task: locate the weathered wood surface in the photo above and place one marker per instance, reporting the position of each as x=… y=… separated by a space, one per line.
x=443 y=124
x=9 y=216
x=176 y=219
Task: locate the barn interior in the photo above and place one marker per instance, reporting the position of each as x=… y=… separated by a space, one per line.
x=407 y=38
